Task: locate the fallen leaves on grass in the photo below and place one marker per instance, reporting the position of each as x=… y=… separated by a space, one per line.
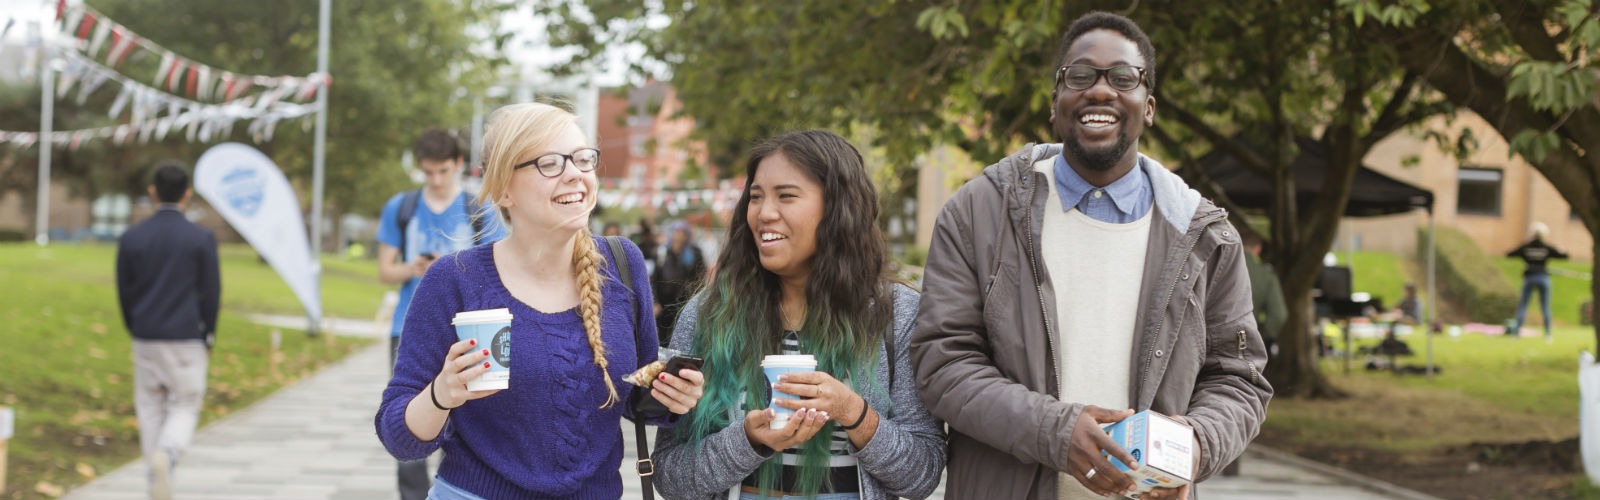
x=47 y=488
x=85 y=470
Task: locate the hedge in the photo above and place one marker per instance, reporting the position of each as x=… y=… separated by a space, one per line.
x=1469 y=274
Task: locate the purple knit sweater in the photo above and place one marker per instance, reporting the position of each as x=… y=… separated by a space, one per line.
x=546 y=436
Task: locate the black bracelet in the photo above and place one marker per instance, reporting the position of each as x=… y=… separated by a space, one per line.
x=435 y=398
x=860 y=419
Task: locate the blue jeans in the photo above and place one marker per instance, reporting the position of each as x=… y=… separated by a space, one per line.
x=443 y=490
x=1530 y=283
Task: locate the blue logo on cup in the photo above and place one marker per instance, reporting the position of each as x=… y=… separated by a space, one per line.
x=500 y=347
x=244 y=189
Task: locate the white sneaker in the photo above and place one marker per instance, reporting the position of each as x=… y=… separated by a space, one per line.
x=161 y=476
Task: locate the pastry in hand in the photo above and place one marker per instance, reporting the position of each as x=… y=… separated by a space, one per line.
x=643 y=377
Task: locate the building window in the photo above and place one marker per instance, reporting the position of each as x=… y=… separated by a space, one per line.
x=1478 y=191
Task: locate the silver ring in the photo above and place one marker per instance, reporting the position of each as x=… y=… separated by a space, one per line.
x=1090 y=474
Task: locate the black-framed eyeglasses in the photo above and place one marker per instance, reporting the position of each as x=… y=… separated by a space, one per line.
x=553 y=164
x=1081 y=76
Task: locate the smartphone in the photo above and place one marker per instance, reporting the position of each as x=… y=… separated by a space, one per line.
x=428 y=255
x=682 y=361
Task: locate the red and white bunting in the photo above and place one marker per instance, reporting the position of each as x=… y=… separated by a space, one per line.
x=234 y=87
x=204 y=92
x=122 y=43
x=308 y=88
x=72 y=19
x=86 y=27
x=101 y=32
x=193 y=80
x=163 y=67
x=175 y=74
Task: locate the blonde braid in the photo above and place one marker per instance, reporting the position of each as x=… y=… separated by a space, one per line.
x=587 y=260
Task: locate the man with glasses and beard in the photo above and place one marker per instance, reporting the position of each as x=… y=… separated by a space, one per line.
x=1068 y=288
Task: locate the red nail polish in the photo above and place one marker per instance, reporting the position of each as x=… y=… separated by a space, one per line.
x=485 y=352
x=663 y=376
x=485 y=364
x=472 y=341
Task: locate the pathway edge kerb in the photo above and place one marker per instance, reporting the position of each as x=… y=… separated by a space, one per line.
x=1368 y=482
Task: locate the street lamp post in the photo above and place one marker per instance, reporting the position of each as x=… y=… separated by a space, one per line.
x=319 y=148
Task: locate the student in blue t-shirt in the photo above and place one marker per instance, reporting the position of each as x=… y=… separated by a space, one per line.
x=416 y=228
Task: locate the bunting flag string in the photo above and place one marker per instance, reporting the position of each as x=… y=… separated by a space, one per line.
x=154 y=114
x=146 y=101
x=673 y=200
x=91 y=30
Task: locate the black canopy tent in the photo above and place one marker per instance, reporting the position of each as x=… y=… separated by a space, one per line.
x=1371 y=194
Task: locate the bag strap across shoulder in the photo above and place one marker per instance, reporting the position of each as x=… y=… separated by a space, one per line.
x=645 y=466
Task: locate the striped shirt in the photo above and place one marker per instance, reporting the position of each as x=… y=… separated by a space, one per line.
x=844 y=484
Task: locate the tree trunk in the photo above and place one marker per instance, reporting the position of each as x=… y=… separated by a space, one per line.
x=1295 y=372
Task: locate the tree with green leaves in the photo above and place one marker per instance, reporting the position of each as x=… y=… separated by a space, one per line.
x=1245 y=78
x=1323 y=79
x=1527 y=66
x=397 y=67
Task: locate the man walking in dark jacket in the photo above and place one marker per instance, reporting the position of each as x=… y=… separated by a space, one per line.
x=1067 y=287
x=168 y=285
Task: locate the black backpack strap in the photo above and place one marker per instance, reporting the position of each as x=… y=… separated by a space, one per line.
x=408 y=207
x=620 y=256
x=645 y=466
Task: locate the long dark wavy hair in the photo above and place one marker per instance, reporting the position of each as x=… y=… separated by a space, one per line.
x=848 y=303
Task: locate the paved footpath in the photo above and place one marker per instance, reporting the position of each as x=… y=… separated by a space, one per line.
x=314 y=440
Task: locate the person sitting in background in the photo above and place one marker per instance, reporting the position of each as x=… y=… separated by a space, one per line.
x=1409 y=309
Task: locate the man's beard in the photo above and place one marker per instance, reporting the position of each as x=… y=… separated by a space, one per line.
x=1099 y=159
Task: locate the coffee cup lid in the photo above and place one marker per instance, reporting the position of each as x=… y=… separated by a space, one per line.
x=789 y=360
x=482 y=316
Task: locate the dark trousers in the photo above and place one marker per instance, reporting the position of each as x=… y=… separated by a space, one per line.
x=1533 y=283
x=413 y=474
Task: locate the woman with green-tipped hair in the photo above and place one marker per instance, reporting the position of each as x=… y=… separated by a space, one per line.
x=804 y=271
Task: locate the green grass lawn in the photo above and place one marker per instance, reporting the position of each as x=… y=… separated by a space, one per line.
x=1490 y=386
x=1378 y=273
x=1489 y=389
x=350 y=288
x=66 y=368
x=1568 y=292
x=1492 y=390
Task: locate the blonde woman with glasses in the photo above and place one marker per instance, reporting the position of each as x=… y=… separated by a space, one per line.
x=555 y=431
